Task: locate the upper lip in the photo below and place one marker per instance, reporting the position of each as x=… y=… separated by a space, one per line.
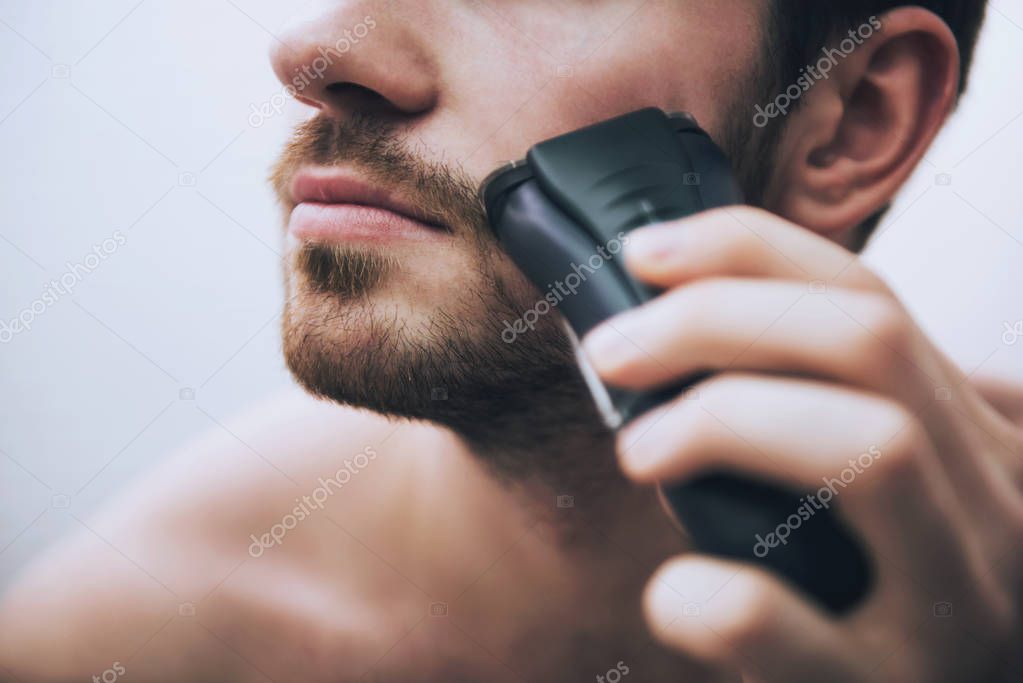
x=343 y=186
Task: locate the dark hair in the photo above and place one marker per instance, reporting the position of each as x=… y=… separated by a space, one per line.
x=797 y=30
x=800 y=28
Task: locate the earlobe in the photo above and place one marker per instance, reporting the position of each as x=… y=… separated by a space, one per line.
x=862 y=131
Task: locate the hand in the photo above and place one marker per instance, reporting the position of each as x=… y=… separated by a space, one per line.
x=820 y=374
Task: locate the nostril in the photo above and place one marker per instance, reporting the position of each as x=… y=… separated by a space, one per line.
x=351 y=97
x=353 y=90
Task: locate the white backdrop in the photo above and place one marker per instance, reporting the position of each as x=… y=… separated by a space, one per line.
x=130 y=162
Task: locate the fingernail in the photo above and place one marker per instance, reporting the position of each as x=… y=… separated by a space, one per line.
x=602 y=344
x=642 y=425
x=638 y=448
x=648 y=244
x=641 y=444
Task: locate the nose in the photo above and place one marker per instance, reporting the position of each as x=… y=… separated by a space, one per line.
x=357 y=57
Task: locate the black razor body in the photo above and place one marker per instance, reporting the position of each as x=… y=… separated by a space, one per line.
x=568 y=209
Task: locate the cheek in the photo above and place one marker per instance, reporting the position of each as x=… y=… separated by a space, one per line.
x=675 y=54
x=690 y=56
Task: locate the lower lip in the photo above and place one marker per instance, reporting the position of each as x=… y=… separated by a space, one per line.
x=336 y=223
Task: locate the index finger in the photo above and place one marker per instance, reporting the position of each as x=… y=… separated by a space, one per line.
x=743 y=242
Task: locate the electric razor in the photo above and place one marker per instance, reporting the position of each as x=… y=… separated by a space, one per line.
x=574 y=198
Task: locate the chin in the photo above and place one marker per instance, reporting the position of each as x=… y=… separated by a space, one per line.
x=366 y=331
x=413 y=324
x=415 y=336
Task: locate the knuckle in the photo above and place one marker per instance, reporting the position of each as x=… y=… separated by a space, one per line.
x=882 y=340
x=866 y=279
x=899 y=464
x=877 y=283
x=889 y=326
x=860 y=276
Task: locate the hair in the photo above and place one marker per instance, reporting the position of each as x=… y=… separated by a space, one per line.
x=798 y=29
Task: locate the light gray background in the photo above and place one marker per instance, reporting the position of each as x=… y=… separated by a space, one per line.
x=110 y=109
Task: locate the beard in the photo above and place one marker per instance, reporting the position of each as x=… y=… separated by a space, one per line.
x=356 y=329
x=359 y=330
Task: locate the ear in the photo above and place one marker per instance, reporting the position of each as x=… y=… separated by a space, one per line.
x=863 y=127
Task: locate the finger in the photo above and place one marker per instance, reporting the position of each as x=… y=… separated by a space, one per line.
x=743 y=242
x=860 y=339
x=733 y=616
x=778 y=427
x=861 y=455
x=764 y=325
x=863 y=340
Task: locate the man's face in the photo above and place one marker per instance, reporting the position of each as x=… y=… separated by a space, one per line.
x=399 y=305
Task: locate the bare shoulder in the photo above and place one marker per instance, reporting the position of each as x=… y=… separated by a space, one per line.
x=230 y=552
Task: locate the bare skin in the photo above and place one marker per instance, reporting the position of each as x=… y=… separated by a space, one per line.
x=531 y=590
x=347 y=594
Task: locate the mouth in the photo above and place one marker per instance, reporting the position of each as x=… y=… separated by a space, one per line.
x=338 y=206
